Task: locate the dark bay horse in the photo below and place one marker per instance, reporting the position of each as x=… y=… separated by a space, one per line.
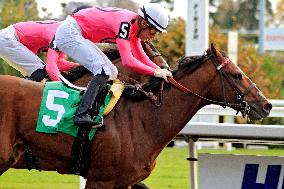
x=125 y=151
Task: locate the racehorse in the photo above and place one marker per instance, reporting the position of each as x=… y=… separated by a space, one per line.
x=81 y=76
x=124 y=152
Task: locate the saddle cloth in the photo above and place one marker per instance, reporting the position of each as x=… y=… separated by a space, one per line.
x=59 y=105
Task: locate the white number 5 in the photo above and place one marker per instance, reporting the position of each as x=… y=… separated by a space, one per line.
x=124 y=30
x=54 y=107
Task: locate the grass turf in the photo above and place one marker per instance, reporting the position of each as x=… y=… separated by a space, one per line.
x=171 y=172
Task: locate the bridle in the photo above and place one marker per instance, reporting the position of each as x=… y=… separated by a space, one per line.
x=241 y=105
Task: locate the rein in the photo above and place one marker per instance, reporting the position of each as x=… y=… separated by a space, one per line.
x=188 y=91
x=242 y=106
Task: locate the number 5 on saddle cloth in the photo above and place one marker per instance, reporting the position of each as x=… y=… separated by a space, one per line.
x=60 y=103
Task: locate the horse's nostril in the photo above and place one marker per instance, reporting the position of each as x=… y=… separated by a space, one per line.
x=267 y=106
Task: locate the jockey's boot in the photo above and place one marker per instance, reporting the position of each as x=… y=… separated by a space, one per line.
x=38 y=75
x=83 y=116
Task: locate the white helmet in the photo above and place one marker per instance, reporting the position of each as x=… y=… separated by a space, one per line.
x=156 y=14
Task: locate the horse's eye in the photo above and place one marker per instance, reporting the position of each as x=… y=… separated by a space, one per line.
x=238 y=76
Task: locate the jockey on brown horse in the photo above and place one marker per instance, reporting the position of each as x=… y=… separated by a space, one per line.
x=124 y=152
x=126 y=29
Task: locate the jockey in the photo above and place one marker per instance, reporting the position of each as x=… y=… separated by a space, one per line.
x=21 y=42
x=112 y=25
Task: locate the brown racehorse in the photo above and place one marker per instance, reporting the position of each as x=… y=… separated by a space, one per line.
x=125 y=151
x=113 y=55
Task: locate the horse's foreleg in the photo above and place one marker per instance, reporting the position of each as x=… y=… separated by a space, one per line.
x=7 y=159
x=7 y=141
x=4 y=166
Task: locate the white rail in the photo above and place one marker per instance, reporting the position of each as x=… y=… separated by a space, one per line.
x=234 y=132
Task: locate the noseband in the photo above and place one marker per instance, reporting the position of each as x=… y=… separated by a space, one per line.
x=241 y=105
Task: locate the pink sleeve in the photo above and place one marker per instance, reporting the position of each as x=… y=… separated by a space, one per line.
x=129 y=61
x=65 y=65
x=139 y=53
x=51 y=64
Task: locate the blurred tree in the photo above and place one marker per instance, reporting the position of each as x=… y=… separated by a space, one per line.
x=13 y=11
x=247 y=14
x=279 y=14
x=172 y=44
x=263 y=70
x=225 y=15
x=233 y=14
x=219 y=38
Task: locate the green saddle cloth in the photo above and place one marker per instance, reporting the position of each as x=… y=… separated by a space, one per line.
x=58 y=107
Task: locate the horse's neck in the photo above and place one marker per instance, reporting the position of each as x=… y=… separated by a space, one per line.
x=162 y=124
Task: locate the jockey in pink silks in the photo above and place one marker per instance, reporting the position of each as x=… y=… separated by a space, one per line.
x=21 y=42
x=110 y=25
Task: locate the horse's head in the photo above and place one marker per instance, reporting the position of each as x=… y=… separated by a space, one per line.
x=237 y=88
x=225 y=84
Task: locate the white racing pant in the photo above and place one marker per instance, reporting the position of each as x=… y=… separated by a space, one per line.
x=16 y=54
x=69 y=39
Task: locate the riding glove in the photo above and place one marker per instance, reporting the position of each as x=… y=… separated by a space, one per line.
x=163 y=73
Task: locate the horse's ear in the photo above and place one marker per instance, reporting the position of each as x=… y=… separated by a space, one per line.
x=217 y=55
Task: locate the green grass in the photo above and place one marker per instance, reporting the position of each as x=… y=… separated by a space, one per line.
x=24 y=179
x=171 y=172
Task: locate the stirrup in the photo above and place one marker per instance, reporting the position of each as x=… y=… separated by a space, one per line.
x=100 y=124
x=84 y=120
